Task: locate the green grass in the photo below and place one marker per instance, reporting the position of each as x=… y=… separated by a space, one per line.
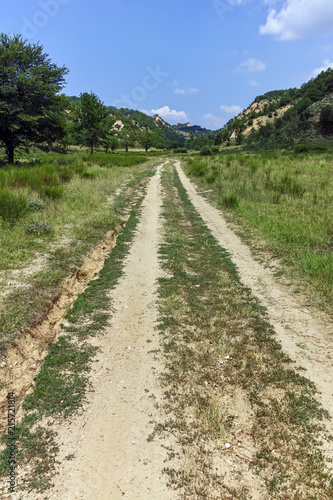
x=12 y=206
x=206 y=315
x=62 y=228
x=283 y=200
x=61 y=386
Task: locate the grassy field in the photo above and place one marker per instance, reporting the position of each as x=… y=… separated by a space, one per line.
x=283 y=203
x=53 y=209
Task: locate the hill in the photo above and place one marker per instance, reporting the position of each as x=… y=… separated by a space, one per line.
x=285 y=118
x=186 y=129
x=166 y=135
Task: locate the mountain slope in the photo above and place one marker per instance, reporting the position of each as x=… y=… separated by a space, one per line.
x=285 y=118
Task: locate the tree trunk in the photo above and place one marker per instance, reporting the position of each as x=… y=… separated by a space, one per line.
x=50 y=146
x=10 y=154
x=126 y=149
x=91 y=149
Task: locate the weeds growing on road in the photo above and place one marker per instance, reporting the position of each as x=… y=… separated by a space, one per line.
x=285 y=200
x=217 y=342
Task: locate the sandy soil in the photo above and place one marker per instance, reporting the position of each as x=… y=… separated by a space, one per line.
x=306 y=336
x=113 y=458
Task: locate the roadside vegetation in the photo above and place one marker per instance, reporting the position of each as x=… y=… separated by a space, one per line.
x=218 y=344
x=61 y=386
x=53 y=210
x=282 y=203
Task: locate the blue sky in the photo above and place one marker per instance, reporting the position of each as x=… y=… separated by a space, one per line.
x=187 y=60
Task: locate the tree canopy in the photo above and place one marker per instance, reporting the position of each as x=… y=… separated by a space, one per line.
x=29 y=87
x=93 y=120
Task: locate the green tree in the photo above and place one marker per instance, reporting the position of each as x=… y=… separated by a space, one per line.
x=146 y=139
x=29 y=84
x=127 y=139
x=92 y=120
x=222 y=136
x=114 y=143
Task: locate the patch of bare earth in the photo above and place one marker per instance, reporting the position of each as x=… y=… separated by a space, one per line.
x=26 y=352
x=306 y=336
x=113 y=455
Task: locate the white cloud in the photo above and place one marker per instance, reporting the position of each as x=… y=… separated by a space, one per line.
x=170 y=114
x=327 y=64
x=214 y=121
x=231 y=110
x=254 y=83
x=251 y=65
x=185 y=92
x=299 y=19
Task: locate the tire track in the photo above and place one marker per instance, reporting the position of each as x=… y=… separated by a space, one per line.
x=295 y=326
x=113 y=456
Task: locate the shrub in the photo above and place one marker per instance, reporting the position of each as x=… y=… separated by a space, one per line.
x=12 y=206
x=35 y=205
x=180 y=150
x=36 y=227
x=302 y=148
x=205 y=151
x=211 y=178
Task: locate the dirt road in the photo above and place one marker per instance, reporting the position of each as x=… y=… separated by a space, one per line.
x=113 y=458
x=113 y=455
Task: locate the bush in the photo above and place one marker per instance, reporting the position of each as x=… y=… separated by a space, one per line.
x=12 y=206
x=205 y=151
x=35 y=205
x=180 y=150
x=36 y=227
x=65 y=174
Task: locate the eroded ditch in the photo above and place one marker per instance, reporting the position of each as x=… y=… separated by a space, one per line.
x=25 y=354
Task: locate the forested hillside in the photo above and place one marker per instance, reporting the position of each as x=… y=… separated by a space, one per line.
x=285 y=118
